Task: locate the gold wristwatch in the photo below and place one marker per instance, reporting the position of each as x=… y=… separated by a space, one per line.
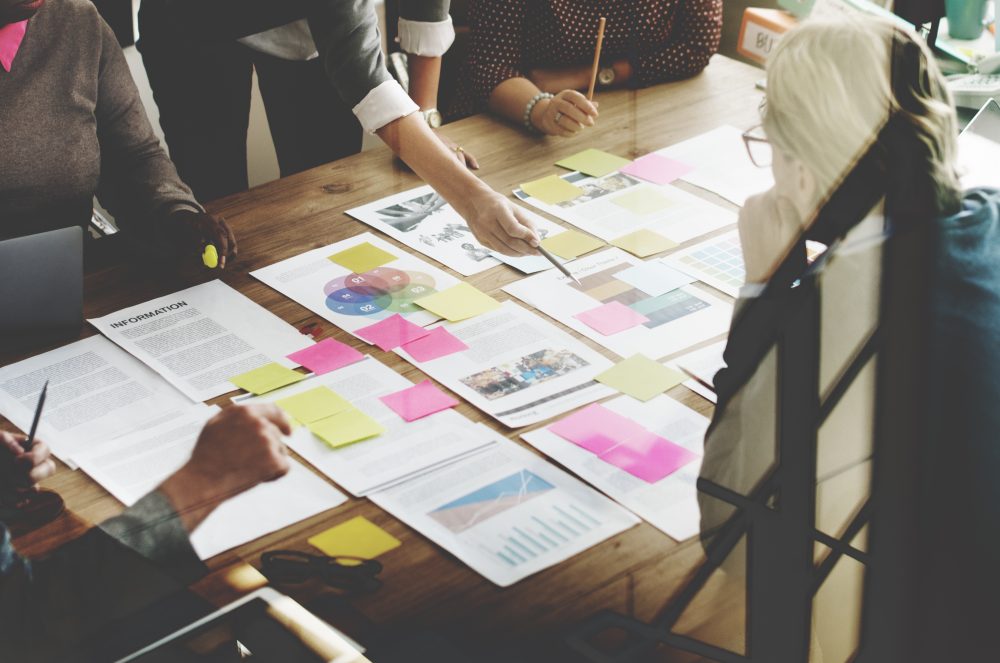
x=433 y=117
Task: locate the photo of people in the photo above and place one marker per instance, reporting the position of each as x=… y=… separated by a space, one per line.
x=600 y=188
x=407 y=216
x=526 y=372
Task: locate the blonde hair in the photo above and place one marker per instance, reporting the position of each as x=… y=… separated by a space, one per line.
x=832 y=85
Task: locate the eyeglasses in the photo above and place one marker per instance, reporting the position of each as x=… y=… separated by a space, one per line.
x=351 y=574
x=758 y=147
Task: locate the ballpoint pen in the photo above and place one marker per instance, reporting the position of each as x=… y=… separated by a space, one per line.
x=555 y=261
x=30 y=442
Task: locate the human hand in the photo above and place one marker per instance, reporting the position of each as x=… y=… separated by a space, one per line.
x=566 y=114
x=28 y=467
x=768 y=225
x=464 y=157
x=500 y=225
x=199 y=229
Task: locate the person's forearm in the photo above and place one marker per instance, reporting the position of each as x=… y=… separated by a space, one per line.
x=425 y=77
x=510 y=98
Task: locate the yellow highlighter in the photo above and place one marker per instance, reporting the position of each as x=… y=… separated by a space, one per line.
x=210 y=256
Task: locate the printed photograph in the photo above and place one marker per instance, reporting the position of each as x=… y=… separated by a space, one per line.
x=525 y=373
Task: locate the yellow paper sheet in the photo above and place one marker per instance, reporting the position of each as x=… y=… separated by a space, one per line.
x=570 y=244
x=313 y=405
x=459 y=302
x=644 y=243
x=362 y=258
x=641 y=377
x=595 y=163
x=643 y=201
x=346 y=427
x=266 y=378
x=552 y=190
x=357 y=537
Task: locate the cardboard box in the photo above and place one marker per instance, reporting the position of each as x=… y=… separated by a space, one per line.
x=761 y=31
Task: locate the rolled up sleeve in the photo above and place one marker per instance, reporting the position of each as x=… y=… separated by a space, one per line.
x=425 y=28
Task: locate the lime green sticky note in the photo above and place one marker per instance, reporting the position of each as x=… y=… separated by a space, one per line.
x=593 y=162
x=642 y=201
x=266 y=378
x=313 y=405
x=346 y=427
x=644 y=243
x=570 y=244
x=552 y=190
x=459 y=302
x=362 y=258
x=641 y=377
x=357 y=537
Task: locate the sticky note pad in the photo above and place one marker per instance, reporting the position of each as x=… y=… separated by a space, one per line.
x=641 y=377
x=657 y=169
x=596 y=428
x=313 y=405
x=552 y=190
x=654 y=278
x=644 y=243
x=266 y=378
x=459 y=302
x=593 y=162
x=438 y=343
x=362 y=258
x=325 y=356
x=357 y=537
x=611 y=318
x=346 y=427
x=418 y=401
x=649 y=457
x=570 y=244
x=643 y=201
x=392 y=332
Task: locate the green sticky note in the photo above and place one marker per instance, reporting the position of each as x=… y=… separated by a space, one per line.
x=593 y=162
x=459 y=302
x=357 y=537
x=313 y=405
x=266 y=378
x=362 y=258
x=642 y=201
x=641 y=377
x=346 y=427
x=570 y=244
x=552 y=190
x=644 y=243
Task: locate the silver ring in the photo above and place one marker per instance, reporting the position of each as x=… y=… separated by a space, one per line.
x=558 y=117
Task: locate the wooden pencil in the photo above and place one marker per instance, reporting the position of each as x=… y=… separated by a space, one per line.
x=597 y=59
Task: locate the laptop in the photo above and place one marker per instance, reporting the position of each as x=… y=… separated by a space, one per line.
x=41 y=287
x=979 y=148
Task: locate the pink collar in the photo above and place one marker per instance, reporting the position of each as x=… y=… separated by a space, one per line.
x=11 y=37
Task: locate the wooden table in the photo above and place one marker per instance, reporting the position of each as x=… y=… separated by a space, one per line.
x=633 y=573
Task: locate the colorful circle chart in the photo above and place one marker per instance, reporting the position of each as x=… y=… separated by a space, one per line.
x=379 y=293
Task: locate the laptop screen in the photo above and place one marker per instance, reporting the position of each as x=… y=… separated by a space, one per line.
x=979 y=148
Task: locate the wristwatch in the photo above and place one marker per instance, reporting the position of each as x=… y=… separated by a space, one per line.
x=433 y=117
x=606 y=76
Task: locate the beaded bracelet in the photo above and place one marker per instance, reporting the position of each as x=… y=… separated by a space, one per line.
x=530 y=107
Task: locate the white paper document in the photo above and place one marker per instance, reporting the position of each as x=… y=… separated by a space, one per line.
x=200 y=337
x=403 y=450
x=519 y=368
x=132 y=465
x=619 y=204
x=425 y=222
x=352 y=301
x=721 y=164
x=670 y=504
x=703 y=363
x=506 y=512
x=97 y=391
x=678 y=319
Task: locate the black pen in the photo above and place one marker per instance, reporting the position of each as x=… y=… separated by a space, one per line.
x=30 y=442
x=555 y=261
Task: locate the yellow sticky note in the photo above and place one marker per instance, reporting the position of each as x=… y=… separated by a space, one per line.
x=266 y=378
x=346 y=427
x=357 y=537
x=459 y=302
x=313 y=405
x=595 y=163
x=644 y=243
x=552 y=190
x=570 y=244
x=641 y=377
x=642 y=201
x=362 y=258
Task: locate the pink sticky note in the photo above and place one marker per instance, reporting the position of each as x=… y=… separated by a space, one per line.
x=611 y=318
x=392 y=332
x=596 y=428
x=438 y=343
x=657 y=169
x=649 y=457
x=418 y=401
x=327 y=355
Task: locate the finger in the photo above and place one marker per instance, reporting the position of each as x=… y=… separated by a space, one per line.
x=471 y=161
x=282 y=464
x=574 y=113
x=581 y=102
x=535 y=239
x=11 y=443
x=221 y=240
x=515 y=224
x=42 y=471
x=39 y=454
x=275 y=415
x=233 y=248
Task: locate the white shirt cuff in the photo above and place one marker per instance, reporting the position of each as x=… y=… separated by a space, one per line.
x=751 y=290
x=428 y=39
x=386 y=103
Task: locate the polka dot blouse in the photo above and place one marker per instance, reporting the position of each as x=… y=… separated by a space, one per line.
x=662 y=39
